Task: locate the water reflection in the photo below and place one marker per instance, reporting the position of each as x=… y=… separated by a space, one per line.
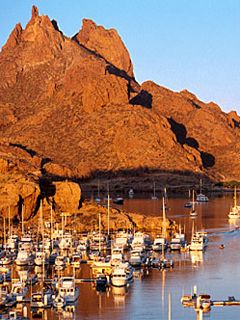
x=22 y=273
x=67 y=313
x=163 y=286
x=234 y=223
x=119 y=296
x=196 y=258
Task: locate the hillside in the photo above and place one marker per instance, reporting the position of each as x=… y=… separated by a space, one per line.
x=71 y=108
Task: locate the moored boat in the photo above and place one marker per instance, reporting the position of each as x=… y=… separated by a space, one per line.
x=199 y=241
x=121 y=275
x=67 y=289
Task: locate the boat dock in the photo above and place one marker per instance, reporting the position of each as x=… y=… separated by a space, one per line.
x=230 y=302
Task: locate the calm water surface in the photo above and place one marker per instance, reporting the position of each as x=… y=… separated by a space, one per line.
x=216 y=271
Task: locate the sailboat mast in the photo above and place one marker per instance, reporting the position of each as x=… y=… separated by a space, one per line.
x=193 y=205
x=22 y=219
x=235 y=196
x=192 y=228
x=4 y=233
x=164 y=218
x=99 y=230
x=98 y=189
x=200 y=191
x=108 y=220
x=9 y=222
x=51 y=231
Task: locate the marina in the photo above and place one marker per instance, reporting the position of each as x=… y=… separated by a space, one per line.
x=151 y=269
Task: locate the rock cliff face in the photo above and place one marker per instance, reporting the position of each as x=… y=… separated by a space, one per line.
x=70 y=108
x=105 y=43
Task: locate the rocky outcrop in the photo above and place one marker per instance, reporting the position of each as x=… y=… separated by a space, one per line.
x=105 y=43
x=17 y=194
x=234 y=119
x=87 y=219
x=67 y=196
x=14 y=38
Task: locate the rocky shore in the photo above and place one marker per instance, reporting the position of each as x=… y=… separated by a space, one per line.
x=20 y=195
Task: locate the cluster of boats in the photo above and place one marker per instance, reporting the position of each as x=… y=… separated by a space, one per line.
x=111 y=259
x=130 y=252
x=27 y=251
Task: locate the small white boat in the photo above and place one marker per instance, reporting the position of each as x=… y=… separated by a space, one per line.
x=41 y=299
x=60 y=261
x=67 y=289
x=41 y=258
x=12 y=242
x=137 y=258
x=121 y=240
x=76 y=260
x=121 y=275
x=141 y=241
x=199 y=241
x=131 y=193
x=24 y=258
x=66 y=241
x=201 y=197
x=59 y=302
x=154 y=197
x=235 y=209
x=160 y=243
x=116 y=255
x=177 y=242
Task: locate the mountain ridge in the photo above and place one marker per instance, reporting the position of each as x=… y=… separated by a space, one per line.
x=75 y=101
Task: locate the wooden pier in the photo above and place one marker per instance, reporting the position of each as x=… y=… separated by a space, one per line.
x=229 y=302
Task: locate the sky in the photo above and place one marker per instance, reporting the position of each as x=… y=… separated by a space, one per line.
x=179 y=44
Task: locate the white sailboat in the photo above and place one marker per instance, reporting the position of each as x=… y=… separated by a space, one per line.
x=98 y=199
x=201 y=197
x=235 y=209
x=41 y=255
x=154 y=197
x=131 y=193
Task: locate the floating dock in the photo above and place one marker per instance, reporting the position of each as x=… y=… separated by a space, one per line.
x=225 y=303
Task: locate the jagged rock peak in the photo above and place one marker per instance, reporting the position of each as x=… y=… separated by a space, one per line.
x=14 y=38
x=34 y=12
x=234 y=114
x=55 y=25
x=106 y=43
x=188 y=94
x=233 y=119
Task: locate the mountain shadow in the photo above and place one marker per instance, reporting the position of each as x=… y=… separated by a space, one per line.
x=180 y=131
x=143 y=98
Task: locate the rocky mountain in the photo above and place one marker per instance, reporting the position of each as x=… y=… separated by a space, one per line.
x=71 y=108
